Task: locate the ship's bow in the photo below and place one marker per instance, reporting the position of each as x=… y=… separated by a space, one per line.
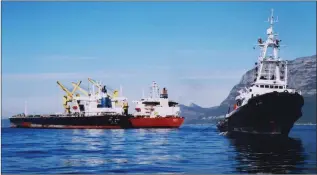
x=271 y=113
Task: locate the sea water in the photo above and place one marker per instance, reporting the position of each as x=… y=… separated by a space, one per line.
x=189 y=149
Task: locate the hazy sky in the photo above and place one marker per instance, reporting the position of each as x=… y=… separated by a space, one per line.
x=198 y=50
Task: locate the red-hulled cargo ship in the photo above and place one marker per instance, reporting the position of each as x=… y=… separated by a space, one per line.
x=156 y=111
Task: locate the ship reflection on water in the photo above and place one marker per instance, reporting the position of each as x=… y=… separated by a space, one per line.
x=116 y=150
x=90 y=143
x=268 y=155
x=153 y=147
x=87 y=142
x=97 y=148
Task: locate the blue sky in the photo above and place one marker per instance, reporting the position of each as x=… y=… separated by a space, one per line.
x=198 y=50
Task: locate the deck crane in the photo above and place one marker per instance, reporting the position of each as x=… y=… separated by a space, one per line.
x=81 y=89
x=94 y=82
x=113 y=96
x=115 y=92
x=69 y=97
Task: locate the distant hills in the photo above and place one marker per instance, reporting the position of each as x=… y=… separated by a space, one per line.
x=301 y=76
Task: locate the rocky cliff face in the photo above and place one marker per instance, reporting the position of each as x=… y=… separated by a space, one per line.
x=193 y=113
x=245 y=81
x=301 y=76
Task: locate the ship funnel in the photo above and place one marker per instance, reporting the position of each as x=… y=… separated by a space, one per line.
x=164 y=93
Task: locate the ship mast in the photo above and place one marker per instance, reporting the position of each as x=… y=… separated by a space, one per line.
x=154 y=93
x=121 y=91
x=269 y=71
x=25 y=108
x=270 y=41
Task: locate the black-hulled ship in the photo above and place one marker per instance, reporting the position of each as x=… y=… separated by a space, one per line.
x=93 y=110
x=268 y=106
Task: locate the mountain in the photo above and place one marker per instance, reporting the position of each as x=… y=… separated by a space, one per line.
x=301 y=76
x=193 y=105
x=192 y=113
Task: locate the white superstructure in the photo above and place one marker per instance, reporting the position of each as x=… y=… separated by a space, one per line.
x=270 y=70
x=157 y=105
x=95 y=103
x=92 y=103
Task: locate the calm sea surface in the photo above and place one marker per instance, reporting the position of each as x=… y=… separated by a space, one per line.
x=190 y=149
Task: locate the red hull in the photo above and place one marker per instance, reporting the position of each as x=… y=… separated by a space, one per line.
x=160 y=122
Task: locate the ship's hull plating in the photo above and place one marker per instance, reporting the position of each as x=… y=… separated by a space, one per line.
x=96 y=122
x=269 y=114
x=91 y=122
x=157 y=122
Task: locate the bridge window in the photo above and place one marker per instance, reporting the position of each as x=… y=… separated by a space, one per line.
x=271 y=86
x=276 y=87
x=280 y=87
x=262 y=86
x=266 y=86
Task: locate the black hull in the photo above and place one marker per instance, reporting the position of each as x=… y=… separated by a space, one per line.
x=92 y=122
x=269 y=114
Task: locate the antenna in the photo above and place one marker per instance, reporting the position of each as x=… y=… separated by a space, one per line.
x=272 y=12
x=89 y=88
x=100 y=84
x=25 y=108
x=271 y=19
